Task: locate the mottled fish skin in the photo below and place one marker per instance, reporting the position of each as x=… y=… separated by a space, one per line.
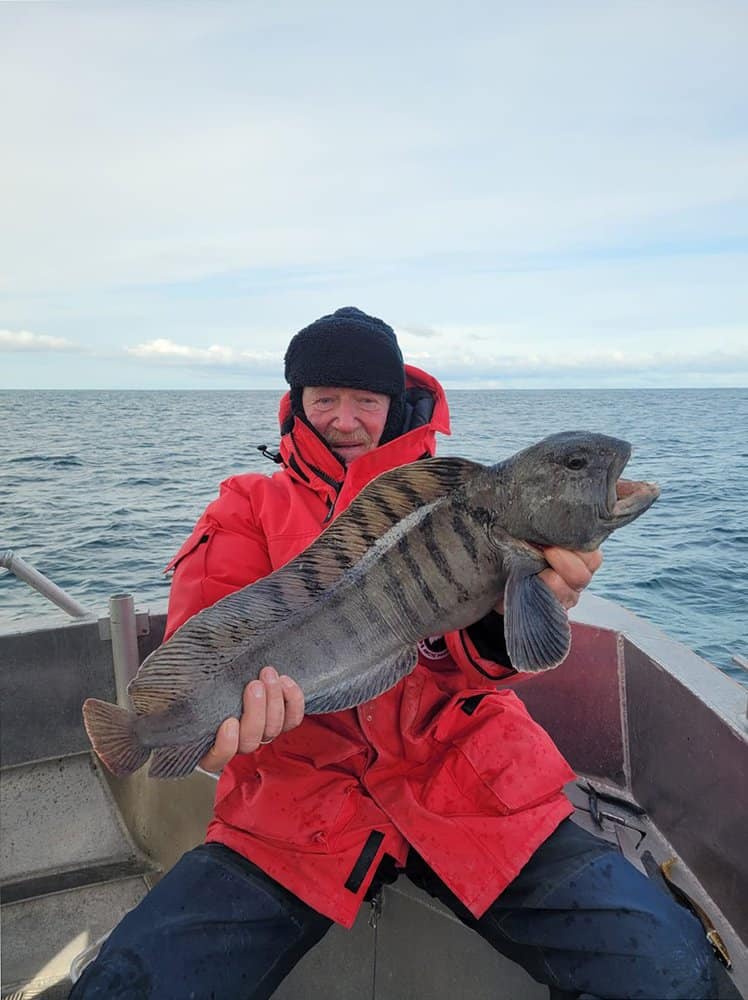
x=423 y=550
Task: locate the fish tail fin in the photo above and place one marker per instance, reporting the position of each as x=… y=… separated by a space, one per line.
x=113 y=737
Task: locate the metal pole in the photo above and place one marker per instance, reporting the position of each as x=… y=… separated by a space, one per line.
x=125 y=651
x=45 y=586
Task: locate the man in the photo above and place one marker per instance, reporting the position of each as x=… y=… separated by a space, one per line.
x=444 y=777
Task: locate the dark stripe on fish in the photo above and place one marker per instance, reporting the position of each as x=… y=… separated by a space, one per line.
x=390 y=512
x=435 y=552
x=395 y=589
x=341 y=556
x=412 y=494
x=464 y=535
x=280 y=598
x=416 y=572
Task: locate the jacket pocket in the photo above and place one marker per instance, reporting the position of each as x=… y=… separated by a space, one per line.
x=200 y=536
x=493 y=759
x=290 y=804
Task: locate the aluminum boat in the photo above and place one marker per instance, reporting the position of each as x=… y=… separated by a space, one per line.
x=656 y=734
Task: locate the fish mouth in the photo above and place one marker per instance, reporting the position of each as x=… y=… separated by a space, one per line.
x=627 y=498
x=632 y=498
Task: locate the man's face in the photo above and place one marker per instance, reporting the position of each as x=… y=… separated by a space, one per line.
x=350 y=420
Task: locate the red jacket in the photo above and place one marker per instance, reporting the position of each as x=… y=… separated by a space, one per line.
x=445 y=761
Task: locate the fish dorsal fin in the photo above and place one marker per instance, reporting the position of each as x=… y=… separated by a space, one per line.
x=213 y=636
x=386 y=500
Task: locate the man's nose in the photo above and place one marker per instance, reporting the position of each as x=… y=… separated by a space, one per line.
x=345 y=417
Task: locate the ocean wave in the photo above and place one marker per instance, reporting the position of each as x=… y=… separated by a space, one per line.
x=54 y=461
x=143 y=481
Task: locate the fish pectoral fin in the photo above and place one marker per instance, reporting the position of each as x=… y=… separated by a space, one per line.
x=536 y=625
x=179 y=761
x=365 y=686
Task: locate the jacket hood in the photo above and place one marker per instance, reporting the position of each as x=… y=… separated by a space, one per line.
x=309 y=459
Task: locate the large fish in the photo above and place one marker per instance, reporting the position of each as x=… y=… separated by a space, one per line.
x=426 y=548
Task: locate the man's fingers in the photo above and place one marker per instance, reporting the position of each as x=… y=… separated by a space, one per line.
x=224 y=748
x=293 y=697
x=270 y=706
x=593 y=560
x=566 y=596
x=275 y=707
x=252 y=724
x=574 y=568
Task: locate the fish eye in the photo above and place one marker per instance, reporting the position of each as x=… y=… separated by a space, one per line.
x=576 y=462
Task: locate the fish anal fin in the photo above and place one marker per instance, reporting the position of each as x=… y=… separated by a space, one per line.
x=113 y=737
x=366 y=686
x=536 y=625
x=179 y=761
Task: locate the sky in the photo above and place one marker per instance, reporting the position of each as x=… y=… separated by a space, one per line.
x=533 y=194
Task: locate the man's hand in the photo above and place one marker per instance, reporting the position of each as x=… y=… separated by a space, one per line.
x=568 y=573
x=270 y=706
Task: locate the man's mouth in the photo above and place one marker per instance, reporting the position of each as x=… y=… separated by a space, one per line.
x=349 y=449
x=347 y=443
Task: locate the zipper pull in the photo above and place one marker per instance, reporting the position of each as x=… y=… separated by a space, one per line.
x=375 y=912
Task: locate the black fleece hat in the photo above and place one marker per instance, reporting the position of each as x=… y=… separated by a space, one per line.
x=353 y=350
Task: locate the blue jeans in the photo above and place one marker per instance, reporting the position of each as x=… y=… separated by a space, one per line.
x=578 y=917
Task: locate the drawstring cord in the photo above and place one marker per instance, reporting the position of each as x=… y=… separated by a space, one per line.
x=274 y=456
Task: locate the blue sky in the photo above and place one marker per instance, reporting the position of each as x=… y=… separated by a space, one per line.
x=532 y=194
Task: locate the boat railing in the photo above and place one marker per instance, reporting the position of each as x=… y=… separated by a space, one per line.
x=41 y=583
x=121 y=626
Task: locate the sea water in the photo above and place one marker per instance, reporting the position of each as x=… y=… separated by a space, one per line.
x=99 y=489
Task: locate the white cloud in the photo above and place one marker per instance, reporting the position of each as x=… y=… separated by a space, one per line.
x=24 y=340
x=476 y=360
x=586 y=364
x=421 y=332
x=164 y=351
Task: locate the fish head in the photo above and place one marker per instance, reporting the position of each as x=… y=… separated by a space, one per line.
x=567 y=491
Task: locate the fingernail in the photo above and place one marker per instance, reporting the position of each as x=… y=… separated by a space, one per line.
x=287 y=682
x=270 y=674
x=258 y=691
